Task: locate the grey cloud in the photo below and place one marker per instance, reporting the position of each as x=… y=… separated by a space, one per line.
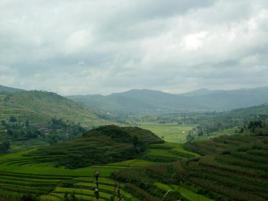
x=106 y=46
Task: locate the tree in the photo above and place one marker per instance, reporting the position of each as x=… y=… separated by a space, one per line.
x=4 y=147
x=28 y=198
x=139 y=146
x=73 y=198
x=66 y=197
x=255 y=124
x=12 y=119
x=3 y=122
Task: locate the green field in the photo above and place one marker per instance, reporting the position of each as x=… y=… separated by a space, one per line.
x=169 y=132
x=184 y=191
x=21 y=175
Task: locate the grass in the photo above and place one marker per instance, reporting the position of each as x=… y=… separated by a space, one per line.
x=167 y=152
x=184 y=191
x=169 y=132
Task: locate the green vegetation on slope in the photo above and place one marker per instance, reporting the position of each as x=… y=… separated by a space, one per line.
x=40 y=107
x=229 y=168
x=50 y=183
x=101 y=145
x=22 y=134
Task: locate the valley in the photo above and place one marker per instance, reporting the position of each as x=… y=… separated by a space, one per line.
x=52 y=149
x=134 y=100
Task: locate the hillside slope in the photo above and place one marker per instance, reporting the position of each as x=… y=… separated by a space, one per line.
x=102 y=145
x=229 y=168
x=156 y=102
x=4 y=89
x=39 y=107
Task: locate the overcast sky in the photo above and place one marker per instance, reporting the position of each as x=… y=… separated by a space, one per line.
x=105 y=46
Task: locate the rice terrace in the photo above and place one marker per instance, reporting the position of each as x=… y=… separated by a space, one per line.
x=122 y=100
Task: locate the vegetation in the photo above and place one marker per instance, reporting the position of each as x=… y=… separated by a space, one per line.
x=4 y=147
x=229 y=168
x=99 y=146
x=40 y=107
x=24 y=132
x=47 y=155
x=169 y=132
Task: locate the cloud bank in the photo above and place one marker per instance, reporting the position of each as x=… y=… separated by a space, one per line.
x=105 y=46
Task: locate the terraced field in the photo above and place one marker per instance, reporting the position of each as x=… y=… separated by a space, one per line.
x=21 y=175
x=234 y=167
x=184 y=191
x=54 y=187
x=227 y=168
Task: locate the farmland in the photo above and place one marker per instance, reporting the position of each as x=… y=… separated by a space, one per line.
x=221 y=161
x=169 y=132
x=228 y=167
x=20 y=175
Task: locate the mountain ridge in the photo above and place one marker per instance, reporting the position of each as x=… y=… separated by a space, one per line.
x=152 y=101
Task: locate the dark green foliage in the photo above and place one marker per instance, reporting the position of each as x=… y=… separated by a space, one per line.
x=69 y=197
x=28 y=197
x=253 y=125
x=54 y=131
x=4 y=147
x=12 y=119
x=98 y=146
x=59 y=130
x=20 y=130
x=171 y=196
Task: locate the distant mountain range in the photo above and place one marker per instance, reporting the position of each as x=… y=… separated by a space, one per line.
x=157 y=102
x=87 y=109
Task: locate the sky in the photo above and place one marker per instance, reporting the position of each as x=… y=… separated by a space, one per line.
x=105 y=46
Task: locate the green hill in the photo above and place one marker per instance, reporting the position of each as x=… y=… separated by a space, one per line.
x=99 y=146
x=39 y=107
